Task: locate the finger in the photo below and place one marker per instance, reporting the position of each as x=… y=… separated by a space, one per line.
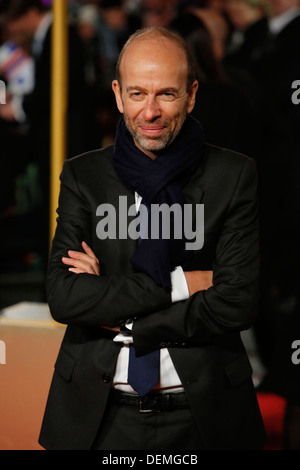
x=77 y=254
x=90 y=253
x=78 y=263
x=84 y=266
x=75 y=270
x=88 y=250
x=83 y=256
x=85 y=263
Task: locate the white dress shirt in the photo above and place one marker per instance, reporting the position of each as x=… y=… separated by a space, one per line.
x=169 y=380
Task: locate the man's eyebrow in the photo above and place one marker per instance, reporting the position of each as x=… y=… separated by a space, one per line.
x=135 y=88
x=168 y=90
x=161 y=90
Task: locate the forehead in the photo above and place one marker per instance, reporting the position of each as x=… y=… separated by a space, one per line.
x=153 y=60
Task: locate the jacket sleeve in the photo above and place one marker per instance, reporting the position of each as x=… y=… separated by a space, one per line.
x=232 y=303
x=86 y=299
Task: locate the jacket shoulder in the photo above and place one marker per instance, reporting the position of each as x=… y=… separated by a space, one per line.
x=99 y=156
x=225 y=161
x=95 y=163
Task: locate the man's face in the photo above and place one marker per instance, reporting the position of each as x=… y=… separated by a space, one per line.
x=154 y=97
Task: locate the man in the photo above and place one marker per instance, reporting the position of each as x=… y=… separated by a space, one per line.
x=159 y=294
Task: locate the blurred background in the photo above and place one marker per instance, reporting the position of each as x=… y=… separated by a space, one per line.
x=248 y=57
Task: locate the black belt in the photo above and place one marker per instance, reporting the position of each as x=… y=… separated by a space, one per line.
x=151 y=402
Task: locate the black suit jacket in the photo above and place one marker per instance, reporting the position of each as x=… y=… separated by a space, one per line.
x=201 y=333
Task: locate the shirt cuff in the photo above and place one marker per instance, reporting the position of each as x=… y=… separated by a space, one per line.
x=126 y=339
x=179 y=292
x=180 y=289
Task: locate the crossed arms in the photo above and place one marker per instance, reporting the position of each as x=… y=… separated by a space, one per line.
x=78 y=293
x=87 y=262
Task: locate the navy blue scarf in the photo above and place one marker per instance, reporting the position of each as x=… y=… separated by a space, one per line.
x=159 y=181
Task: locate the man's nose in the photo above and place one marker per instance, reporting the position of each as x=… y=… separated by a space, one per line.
x=151 y=110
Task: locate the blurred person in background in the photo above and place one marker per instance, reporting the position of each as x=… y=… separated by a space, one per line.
x=104 y=26
x=19 y=187
x=276 y=62
x=276 y=66
x=158 y=12
x=222 y=105
x=116 y=23
x=113 y=33
x=249 y=25
x=17 y=74
x=32 y=20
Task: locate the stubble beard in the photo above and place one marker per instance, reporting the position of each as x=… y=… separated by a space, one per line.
x=154 y=144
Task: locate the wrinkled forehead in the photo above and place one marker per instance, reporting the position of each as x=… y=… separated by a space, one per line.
x=155 y=54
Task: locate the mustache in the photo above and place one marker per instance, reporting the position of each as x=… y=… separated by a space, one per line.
x=154 y=123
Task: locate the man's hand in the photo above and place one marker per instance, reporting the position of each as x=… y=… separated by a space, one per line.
x=198 y=280
x=86 y=262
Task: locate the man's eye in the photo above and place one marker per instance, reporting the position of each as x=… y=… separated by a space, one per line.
x=168 y=96
x=137 y=95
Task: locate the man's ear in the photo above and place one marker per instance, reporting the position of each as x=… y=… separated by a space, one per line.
x=117 y=91
x=192 y=96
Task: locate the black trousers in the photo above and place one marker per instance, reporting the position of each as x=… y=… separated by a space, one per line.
x=126 y=428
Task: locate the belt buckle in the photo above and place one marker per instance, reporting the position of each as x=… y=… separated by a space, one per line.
x=145 y=410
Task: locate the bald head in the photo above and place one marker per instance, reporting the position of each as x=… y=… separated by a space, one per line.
x=169 y=42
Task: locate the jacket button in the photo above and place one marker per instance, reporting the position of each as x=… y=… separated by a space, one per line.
x=106 y=378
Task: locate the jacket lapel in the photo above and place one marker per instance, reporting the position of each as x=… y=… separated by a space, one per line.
x=122 y=199
x=193 y=193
